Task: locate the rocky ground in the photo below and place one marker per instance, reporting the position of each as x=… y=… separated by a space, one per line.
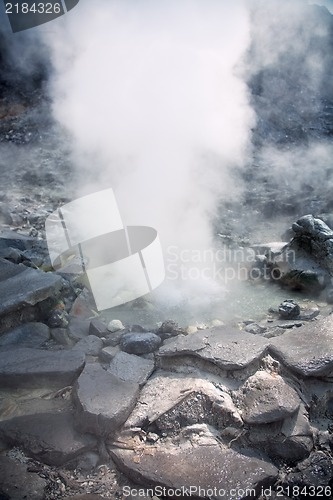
x=247 y=407
x=94 y=407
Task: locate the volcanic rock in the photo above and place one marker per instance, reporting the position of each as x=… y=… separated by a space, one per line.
x=58 y=318
x=140 y=343
x=307 y=350
x=255 y=328
x=98 y=328
x=104 y=401
x=113 y=339
x=289 y=309
x=18 y=403
x=60 y=335
x=21 y=242
x=296 y=438
x=168 y=328
x=306 y=262
x=32 y=335
x=131 y=368
x=16 y=483
x=291 y=439
x=108 y=353
x=34 y=368
x=11 y=254
x=226 y=347
x=49 y=437
x=21 y=287
x=267 y=398
x=314 y=229
x=186 y=400
x=78 y=328
x=90 y=345
x=199 y=462
x=316 y=470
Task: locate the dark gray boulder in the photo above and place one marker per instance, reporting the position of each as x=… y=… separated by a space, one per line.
x=295 y=441
x=21 y=242
x=289 y=309
x=139 y=343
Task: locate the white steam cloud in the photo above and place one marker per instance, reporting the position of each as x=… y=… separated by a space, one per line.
x=155 y=96
x=152 y=96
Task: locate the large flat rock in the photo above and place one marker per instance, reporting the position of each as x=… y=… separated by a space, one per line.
x=131 y=367
x=21 y=286
x=228 y=348
x=48 y=437
x=32 y=335
x=34 y=367
x=307 y=350
x=104 y=401
x=204 y=467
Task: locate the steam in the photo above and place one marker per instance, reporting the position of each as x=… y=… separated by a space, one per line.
x=290 y=63
x=152 y=95
x=156 y=98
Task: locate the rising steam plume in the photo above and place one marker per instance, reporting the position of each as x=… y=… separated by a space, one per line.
x=152 y=96
x=156 y=99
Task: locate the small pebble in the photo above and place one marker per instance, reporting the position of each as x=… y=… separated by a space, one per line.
x=115 y=325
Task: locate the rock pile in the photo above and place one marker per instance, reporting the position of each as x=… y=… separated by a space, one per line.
x=217 y=412
x=305 y=262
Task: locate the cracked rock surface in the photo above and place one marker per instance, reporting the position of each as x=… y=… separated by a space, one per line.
x=307 y=350
x=225 y=347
